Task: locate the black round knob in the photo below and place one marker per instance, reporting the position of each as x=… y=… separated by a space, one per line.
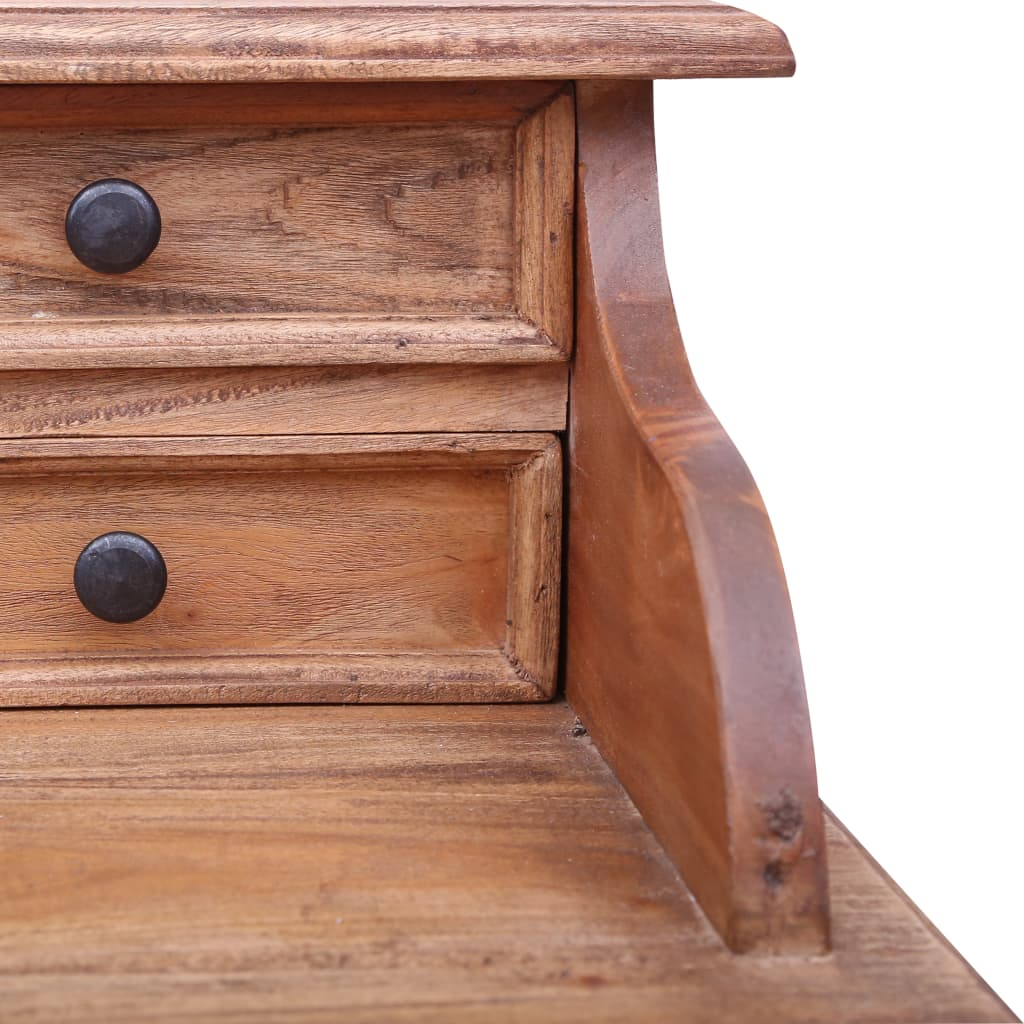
x=120 y=577
x=112 y=225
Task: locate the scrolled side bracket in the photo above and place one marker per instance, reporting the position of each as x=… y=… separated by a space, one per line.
x=681 y=653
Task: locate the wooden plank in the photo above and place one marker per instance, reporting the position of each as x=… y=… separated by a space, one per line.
x=296 y=400
x=441 y=864
x=312 y=569
x=351 y=677
x=289 y=40
x=681 y=654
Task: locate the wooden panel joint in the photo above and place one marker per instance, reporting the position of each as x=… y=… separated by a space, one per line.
x=543 y=248
x=535 y=568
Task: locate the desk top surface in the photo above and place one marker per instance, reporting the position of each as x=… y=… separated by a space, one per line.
x=50 y=41
x=386 y=865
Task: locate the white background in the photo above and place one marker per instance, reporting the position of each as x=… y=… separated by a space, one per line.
x=845 y=251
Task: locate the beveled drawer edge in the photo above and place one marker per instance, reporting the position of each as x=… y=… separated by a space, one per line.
x=358 y=678
x=21 y=455
x=272 y=341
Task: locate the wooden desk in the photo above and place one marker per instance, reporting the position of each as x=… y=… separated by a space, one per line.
x=338 y=365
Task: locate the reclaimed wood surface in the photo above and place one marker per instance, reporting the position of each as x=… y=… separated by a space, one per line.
x=335 y=236
x=392 y=219
x=272 y=341
x=681 y=654
x=544 y=218
x=295 y=400
x=381 y=568
x=294 y=40
x=369 y=864
x=215 y=104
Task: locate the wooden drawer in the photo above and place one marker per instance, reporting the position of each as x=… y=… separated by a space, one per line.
x=300 y=224
x=364 y=568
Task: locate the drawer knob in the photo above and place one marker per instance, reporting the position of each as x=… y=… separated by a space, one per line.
x=112 y=226
x=120 y=577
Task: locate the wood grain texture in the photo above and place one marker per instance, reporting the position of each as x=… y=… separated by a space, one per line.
x=543 y=250
x=364 y=219
x=301 y=224
x=325 y=569
x=372 y=864
x=293 y=40
x=681 y=651
x=167 y=341
x=535 y=570
x=295 y=400
x=213 y=104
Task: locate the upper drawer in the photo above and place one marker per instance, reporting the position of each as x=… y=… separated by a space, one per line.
x=299 y=224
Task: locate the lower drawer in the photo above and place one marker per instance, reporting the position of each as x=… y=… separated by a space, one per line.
x=383 y=568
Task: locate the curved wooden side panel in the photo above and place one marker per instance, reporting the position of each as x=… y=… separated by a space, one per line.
x=682 y=657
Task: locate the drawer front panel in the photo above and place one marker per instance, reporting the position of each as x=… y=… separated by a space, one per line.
x=384 y=568
x=297 y=225
x=262 y=220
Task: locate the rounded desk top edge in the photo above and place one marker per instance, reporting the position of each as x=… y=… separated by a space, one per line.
x=153 y=41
